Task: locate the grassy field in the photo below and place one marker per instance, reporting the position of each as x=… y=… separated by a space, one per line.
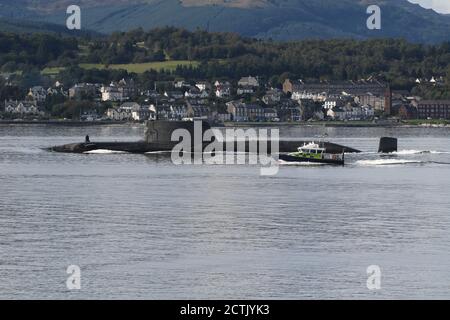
x=52 y=71
x=131 y=67
x=142 y=67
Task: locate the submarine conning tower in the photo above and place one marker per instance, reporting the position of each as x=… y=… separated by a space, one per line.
x=388 y=145
x=161 y=131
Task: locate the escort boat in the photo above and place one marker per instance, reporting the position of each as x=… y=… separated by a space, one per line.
x=313 y=153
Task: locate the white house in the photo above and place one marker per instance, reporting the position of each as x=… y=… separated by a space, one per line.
x=248 y=82
x=38 y=93
x=118 y=114
x=124 y=112
x=143 y=114
x=203 y=85
x=331 y=103
x=245 y=90
x=22 y=108
x=56 y=91
x=111 y=93
x=223 y=91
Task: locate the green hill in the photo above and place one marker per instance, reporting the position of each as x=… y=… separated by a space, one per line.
x=276 y=19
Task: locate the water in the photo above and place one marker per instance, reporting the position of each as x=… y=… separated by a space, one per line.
x=140 y=227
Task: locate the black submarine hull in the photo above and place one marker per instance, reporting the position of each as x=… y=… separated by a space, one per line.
x=158 y=139
x=147 y=147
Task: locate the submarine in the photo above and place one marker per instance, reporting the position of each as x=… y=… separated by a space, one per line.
x=158 y=138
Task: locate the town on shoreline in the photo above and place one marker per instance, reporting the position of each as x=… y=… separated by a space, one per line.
x=249 y=101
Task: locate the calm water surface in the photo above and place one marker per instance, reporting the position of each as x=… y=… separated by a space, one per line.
x=142 y=228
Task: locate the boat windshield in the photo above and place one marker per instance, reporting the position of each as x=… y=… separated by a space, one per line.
x=314 y=151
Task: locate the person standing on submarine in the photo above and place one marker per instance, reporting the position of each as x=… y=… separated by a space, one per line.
x=87 y=139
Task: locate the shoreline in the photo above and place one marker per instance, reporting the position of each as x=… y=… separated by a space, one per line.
x=343 y=124
x=66 y=123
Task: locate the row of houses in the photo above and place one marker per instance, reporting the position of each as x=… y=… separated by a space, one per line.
x=292 y=111
x=221 y=89
x=352 y=112
x=242 y=112
x=122 y=90
x=39 y=94
x=434 y=81
x=249 y=101
x=82 y=91
x=239 y=111
x=132 y=111
x=285 y=111
x=126 y=89
x=23 y=108
x=364 y=92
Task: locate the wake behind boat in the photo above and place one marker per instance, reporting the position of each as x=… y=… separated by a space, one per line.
x=313 y=153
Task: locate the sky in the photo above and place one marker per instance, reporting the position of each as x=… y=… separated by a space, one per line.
x=442 y=6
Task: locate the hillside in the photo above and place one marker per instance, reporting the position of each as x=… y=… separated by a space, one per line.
x=275 y=19
x=29 y=26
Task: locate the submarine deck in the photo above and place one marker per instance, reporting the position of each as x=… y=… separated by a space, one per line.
x=145 y=147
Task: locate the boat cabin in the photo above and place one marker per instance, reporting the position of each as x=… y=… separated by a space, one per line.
x=311 y=150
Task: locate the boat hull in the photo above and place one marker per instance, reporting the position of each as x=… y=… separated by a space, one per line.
x=289 y=158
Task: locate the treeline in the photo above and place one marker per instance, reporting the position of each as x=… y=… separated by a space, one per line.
x=177 y=44
x=20 y=52
x=227 y=55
